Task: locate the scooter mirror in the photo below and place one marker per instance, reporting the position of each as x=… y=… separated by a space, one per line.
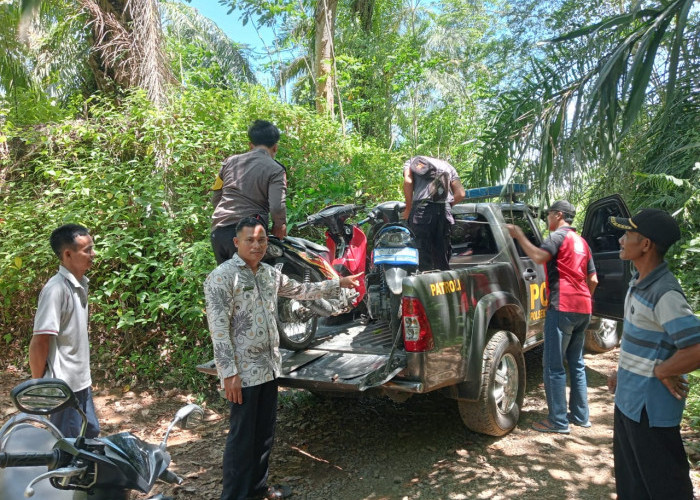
x=190 y=416
x=43 y=396
x=187 y=417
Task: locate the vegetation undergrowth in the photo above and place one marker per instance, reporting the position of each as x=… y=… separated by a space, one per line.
x=139 y=179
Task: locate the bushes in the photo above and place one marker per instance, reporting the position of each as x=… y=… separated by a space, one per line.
x=139 y=179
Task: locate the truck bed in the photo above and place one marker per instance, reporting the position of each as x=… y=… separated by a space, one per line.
x=344 y=357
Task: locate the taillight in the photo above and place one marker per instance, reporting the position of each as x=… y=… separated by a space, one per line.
x=417 y=335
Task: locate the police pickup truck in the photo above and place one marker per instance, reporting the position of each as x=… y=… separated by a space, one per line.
x=474 y=321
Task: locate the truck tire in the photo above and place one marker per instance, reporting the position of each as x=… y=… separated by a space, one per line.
x=502 y=392
x=602 y=335
x=296 y=333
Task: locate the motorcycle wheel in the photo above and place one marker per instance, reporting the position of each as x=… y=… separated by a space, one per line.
x=295 y=323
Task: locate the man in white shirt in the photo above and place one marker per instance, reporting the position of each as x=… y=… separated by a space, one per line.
x=241 y=297
x=60 y=347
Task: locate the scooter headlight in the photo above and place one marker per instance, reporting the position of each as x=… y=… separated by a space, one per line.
x=394 y=236
x=395 y=246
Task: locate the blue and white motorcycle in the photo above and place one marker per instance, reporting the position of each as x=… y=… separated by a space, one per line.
x=394 y=257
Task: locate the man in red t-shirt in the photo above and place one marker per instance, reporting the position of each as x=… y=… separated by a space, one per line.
x=571 y=279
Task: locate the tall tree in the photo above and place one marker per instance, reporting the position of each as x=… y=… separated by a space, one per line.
x=89 y=45
x=325 y=55
x=125 y=41
x=307 y=26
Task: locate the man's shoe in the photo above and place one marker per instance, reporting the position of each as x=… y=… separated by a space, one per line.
x=278 y=491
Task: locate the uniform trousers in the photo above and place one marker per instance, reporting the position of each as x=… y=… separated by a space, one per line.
x=428 y=221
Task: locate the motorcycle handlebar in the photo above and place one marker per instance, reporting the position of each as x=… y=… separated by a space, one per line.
x=29 y=459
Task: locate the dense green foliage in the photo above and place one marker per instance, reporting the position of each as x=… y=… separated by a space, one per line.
x=139 y=179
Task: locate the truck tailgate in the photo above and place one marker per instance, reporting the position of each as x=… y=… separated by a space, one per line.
x=350 y=357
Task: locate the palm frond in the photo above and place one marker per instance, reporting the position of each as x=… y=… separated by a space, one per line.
x=188 y=23
x=578 y=115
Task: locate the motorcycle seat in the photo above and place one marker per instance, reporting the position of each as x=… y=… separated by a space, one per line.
x=308 y=244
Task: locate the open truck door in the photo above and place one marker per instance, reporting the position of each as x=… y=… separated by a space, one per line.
x=614 y=274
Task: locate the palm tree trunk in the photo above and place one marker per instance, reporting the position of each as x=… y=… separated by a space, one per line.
x=127 y=43
x=325 y=27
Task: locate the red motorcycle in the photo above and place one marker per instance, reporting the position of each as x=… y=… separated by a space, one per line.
x=305 y=261
x=394 y=256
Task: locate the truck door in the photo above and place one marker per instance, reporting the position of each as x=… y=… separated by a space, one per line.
x=614 y=274
x=533 y=274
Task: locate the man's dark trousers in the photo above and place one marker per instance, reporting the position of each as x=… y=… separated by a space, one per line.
x=222 y=242
x=428 y=221
x=250 y=437
x=650 y=462
x=69 y=421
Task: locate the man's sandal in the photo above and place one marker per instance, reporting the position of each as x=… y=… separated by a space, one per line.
x=547 y=426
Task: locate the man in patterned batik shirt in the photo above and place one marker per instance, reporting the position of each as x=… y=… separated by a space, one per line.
x=241 y=298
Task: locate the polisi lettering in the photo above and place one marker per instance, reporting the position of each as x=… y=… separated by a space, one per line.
x=538 y=291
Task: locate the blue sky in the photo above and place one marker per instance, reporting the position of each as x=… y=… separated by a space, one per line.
x=233 y=27
x=230 y=24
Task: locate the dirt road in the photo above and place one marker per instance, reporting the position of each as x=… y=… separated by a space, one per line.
x=376 y=449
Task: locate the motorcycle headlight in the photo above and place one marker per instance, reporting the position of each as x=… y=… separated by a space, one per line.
x=394 y=236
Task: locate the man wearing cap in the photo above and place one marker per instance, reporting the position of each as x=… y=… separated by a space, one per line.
x=571 y=279
x=660 y=343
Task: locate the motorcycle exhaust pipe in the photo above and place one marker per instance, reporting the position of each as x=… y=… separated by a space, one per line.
x=320 y=307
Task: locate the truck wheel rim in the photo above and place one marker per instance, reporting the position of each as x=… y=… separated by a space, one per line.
x=505 y=387
x=607 y=331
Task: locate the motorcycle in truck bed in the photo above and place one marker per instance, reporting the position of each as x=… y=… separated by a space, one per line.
x=464 y=331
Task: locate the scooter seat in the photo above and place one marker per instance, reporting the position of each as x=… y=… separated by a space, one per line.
x=308 y=244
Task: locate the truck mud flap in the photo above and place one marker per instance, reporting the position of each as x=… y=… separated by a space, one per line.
x=340 y=370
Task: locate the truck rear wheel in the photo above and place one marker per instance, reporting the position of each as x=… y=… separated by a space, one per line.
x=602 y=335
x=502 y=392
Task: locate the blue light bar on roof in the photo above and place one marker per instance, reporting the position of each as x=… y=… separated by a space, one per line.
x=507 y=191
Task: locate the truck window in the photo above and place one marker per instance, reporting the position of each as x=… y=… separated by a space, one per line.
x=520 y=219
x=471 y=235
